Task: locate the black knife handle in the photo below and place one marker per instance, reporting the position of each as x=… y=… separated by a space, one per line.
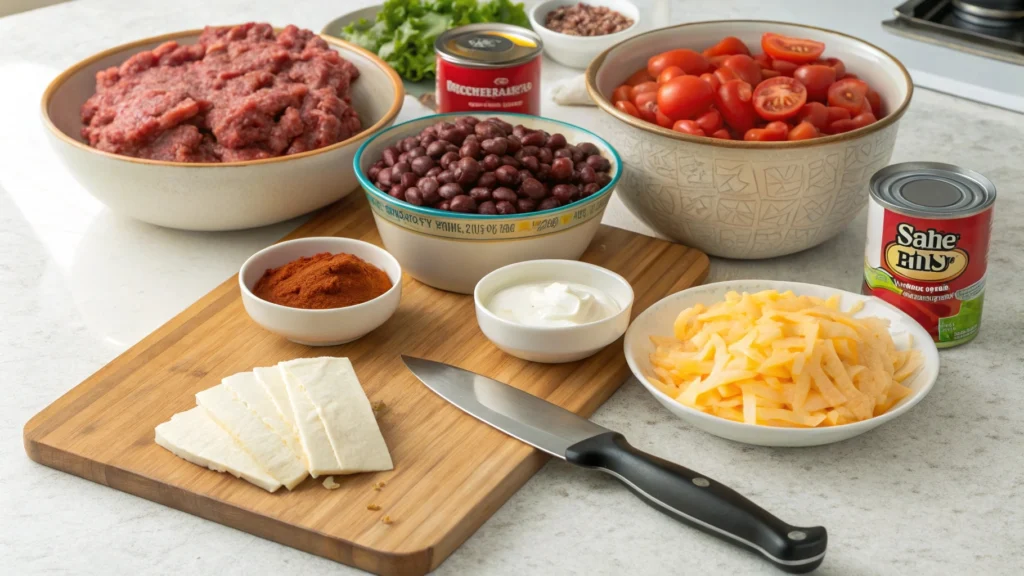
x=703 y=503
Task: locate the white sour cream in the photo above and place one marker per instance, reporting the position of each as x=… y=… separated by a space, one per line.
x=552 y=304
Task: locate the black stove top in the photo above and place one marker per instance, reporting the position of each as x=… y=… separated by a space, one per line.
x=963 y=25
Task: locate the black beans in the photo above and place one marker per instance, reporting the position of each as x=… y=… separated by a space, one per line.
x=421 y=165
x=548 y=204
x=532 y=188
x=489 y=167
x=505 y=207
x=463 y=203
x=480 y=194
x=561 y=169
x=413 y=196
x=434 y=149
x=556 y=141
x=408 y=179
x=495 y=145
x=535 y=138
x=488 y=180
x=449 y=190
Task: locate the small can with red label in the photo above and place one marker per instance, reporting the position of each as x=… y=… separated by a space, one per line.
x=927 y=249
x=488 y=68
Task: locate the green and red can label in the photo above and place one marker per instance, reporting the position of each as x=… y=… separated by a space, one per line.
x=931 y=268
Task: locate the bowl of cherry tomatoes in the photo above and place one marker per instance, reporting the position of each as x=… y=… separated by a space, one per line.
x=748 y=139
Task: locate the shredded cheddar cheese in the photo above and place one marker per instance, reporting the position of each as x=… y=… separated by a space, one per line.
x=782 y=360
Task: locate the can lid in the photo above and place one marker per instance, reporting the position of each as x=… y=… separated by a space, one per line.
x=932 y=190
x=488 y=45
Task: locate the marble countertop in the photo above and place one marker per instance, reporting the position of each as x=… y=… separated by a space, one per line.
x=938 y=491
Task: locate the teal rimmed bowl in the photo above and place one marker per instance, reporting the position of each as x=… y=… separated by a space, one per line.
x=453 y=251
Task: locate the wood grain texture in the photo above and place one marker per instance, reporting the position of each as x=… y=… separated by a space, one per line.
x=451 y=472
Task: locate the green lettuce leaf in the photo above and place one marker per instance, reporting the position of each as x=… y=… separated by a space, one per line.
x=404 y=32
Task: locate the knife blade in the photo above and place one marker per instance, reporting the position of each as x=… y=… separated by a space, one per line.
x=681 y=493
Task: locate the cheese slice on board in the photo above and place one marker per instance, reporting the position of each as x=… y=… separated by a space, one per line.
x=253 y=435
x=333 y=388
x=248 y=389
x=320 y=456
x=273 y=382
x=194 y=436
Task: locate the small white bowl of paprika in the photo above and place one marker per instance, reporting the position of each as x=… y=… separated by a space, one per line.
x=321 y=291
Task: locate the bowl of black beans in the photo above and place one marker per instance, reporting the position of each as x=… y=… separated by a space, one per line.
x=456 y=196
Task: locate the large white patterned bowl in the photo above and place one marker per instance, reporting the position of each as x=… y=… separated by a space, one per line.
x=747 y=199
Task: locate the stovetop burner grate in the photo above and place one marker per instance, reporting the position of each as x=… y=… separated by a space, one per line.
x=938 y=22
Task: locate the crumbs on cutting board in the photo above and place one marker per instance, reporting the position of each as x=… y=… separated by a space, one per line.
x=330 y=484
x=379 y=407
x=386 y=519
x=378 y=485
x=373 y=507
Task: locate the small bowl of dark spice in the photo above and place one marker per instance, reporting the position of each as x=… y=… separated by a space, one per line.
x=574 y=33
x=321 y=291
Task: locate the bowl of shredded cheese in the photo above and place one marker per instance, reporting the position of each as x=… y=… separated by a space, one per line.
x=777 y=363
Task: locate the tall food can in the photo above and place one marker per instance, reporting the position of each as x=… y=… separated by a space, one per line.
x=488 y=68
x=927 y=248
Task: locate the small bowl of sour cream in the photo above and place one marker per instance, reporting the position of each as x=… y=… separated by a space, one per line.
x=553 y=311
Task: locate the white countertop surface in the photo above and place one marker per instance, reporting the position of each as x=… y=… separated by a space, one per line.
x=938 y=491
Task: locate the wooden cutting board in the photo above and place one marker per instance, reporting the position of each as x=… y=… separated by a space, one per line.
x=451 y=471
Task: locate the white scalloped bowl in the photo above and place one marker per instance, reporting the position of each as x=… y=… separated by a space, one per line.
x=659 y=318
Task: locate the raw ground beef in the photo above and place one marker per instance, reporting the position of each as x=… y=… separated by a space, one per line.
x=240 y=93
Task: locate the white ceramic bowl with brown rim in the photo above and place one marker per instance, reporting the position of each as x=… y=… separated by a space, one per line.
x=739 y=199
x=208 y=196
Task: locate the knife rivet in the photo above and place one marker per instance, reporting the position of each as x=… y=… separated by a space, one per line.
x=797 y=535
x=702 y=482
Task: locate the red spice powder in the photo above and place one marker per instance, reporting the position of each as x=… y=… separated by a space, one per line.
x=322 y=281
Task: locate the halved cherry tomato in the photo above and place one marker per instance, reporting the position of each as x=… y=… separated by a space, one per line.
x=709 y=121
x=725 y=74
x=661 y=119
x=840 y=126
x=816 y=78
x=685 y=97
x=627 y=107
x=836 y=64
x=722 y=134
x=647 y=105
x=621 y=93
x=848 y=93
x=863 y=119
x=779 y=98
x=670 y=73
x=744 y=67
x=640 y=89
x=816 y=114
x=797 y=50
x=803 y=131
x=691 y=62
x=836 y=113
x=728 y=46
x=638 y=77
x=783 y=67
x=717 y=61
x=733 y=100
x=764 y=61
x=712 y=80
x=875 y=100
x=767 y=73
x=688 y=127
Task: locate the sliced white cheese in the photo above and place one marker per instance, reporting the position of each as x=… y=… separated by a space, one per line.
x=320 y=456
x=332 y=386
x=265 y=446
x=273 y=383
x=249 y=390
x=194 y=436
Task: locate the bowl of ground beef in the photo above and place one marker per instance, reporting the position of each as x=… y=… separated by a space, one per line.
x=223 y=128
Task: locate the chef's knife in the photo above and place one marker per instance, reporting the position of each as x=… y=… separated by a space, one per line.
x=668 y=487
